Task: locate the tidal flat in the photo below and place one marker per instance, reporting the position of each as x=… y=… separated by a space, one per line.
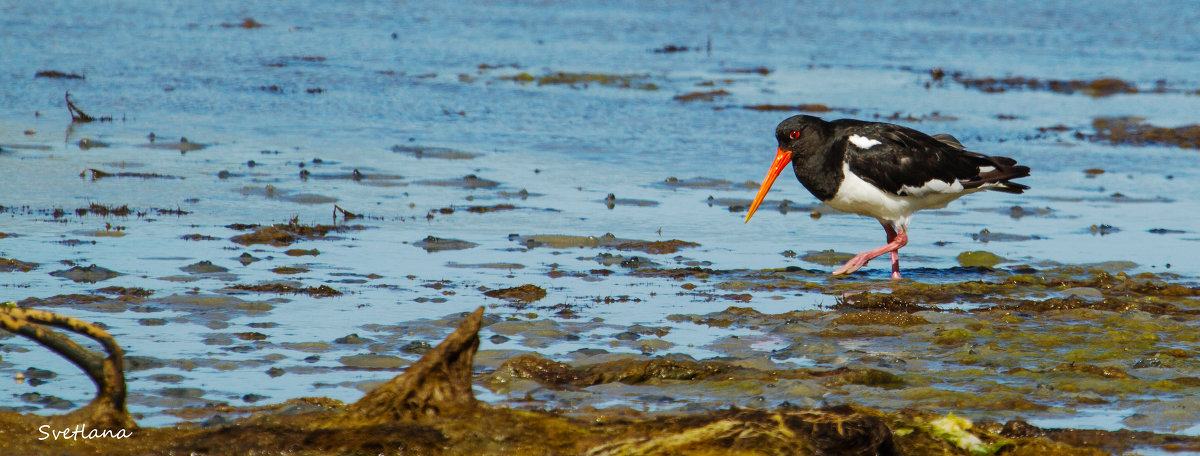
x=276 y=209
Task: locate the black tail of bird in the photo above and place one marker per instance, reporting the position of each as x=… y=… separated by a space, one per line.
x=998 y=178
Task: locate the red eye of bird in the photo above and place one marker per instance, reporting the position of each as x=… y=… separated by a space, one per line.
x=794 y=134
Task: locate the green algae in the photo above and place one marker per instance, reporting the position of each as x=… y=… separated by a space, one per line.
x=1025 y=344
x=979 y=258
x=868 y=377
x=955 y=429
x=951 y=336
x=879 y=318
x=827 y=257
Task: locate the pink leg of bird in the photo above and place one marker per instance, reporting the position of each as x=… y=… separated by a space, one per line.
x=891 y=237
x=896 y=240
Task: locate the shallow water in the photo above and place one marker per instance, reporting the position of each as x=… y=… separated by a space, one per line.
x=174 y=70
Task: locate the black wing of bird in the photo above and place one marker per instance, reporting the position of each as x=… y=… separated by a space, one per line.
x=904 y=161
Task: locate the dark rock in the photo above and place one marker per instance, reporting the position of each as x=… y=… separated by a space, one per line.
x=417 y=347
x=182 y=393
x=247 y=258
x=136 y=363
x=351 y=339
x=203 y=267
x=434 y=244
x=42 y=374
x=627 y=335
x=216 y=421
x=90 y=274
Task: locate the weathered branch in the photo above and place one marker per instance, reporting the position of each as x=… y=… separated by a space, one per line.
x=108 y=407
x=438 y=383
x=77 y=115
x=346 y=215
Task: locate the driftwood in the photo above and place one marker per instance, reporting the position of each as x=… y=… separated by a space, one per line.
x=438 y=384
x=107 y=410
x=346 y=215
x=77 y=115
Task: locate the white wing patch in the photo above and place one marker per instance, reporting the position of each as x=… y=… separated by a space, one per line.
x=933 y=186
x=863 y=142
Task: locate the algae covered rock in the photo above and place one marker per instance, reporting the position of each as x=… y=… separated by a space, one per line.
x=523 y=293
x=979 y=258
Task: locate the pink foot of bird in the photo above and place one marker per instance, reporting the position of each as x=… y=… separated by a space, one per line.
x=883 y=171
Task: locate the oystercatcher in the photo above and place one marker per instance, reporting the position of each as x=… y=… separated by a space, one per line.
x=883 y=171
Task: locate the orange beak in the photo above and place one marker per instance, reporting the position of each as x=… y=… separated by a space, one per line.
x=782 y=158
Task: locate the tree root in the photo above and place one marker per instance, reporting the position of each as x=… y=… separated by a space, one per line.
x=107 y=409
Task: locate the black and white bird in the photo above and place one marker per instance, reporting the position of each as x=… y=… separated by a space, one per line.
x=883 y=171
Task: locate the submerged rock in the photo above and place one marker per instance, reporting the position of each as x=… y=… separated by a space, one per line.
x=608 y=240
x=827 y=257
x=417 y=347
x=1166 y=415
x=203 y=267
x=373 y=361
x=47 y=401
x=697 y=182
x=435 y=244
x=433 y=152
x=469 y=182
x=351 y=339
x=246 y=259
x=183 y=145
x=986 y=236
x=979 y=258
x=90 y=274
x=1086 y=292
